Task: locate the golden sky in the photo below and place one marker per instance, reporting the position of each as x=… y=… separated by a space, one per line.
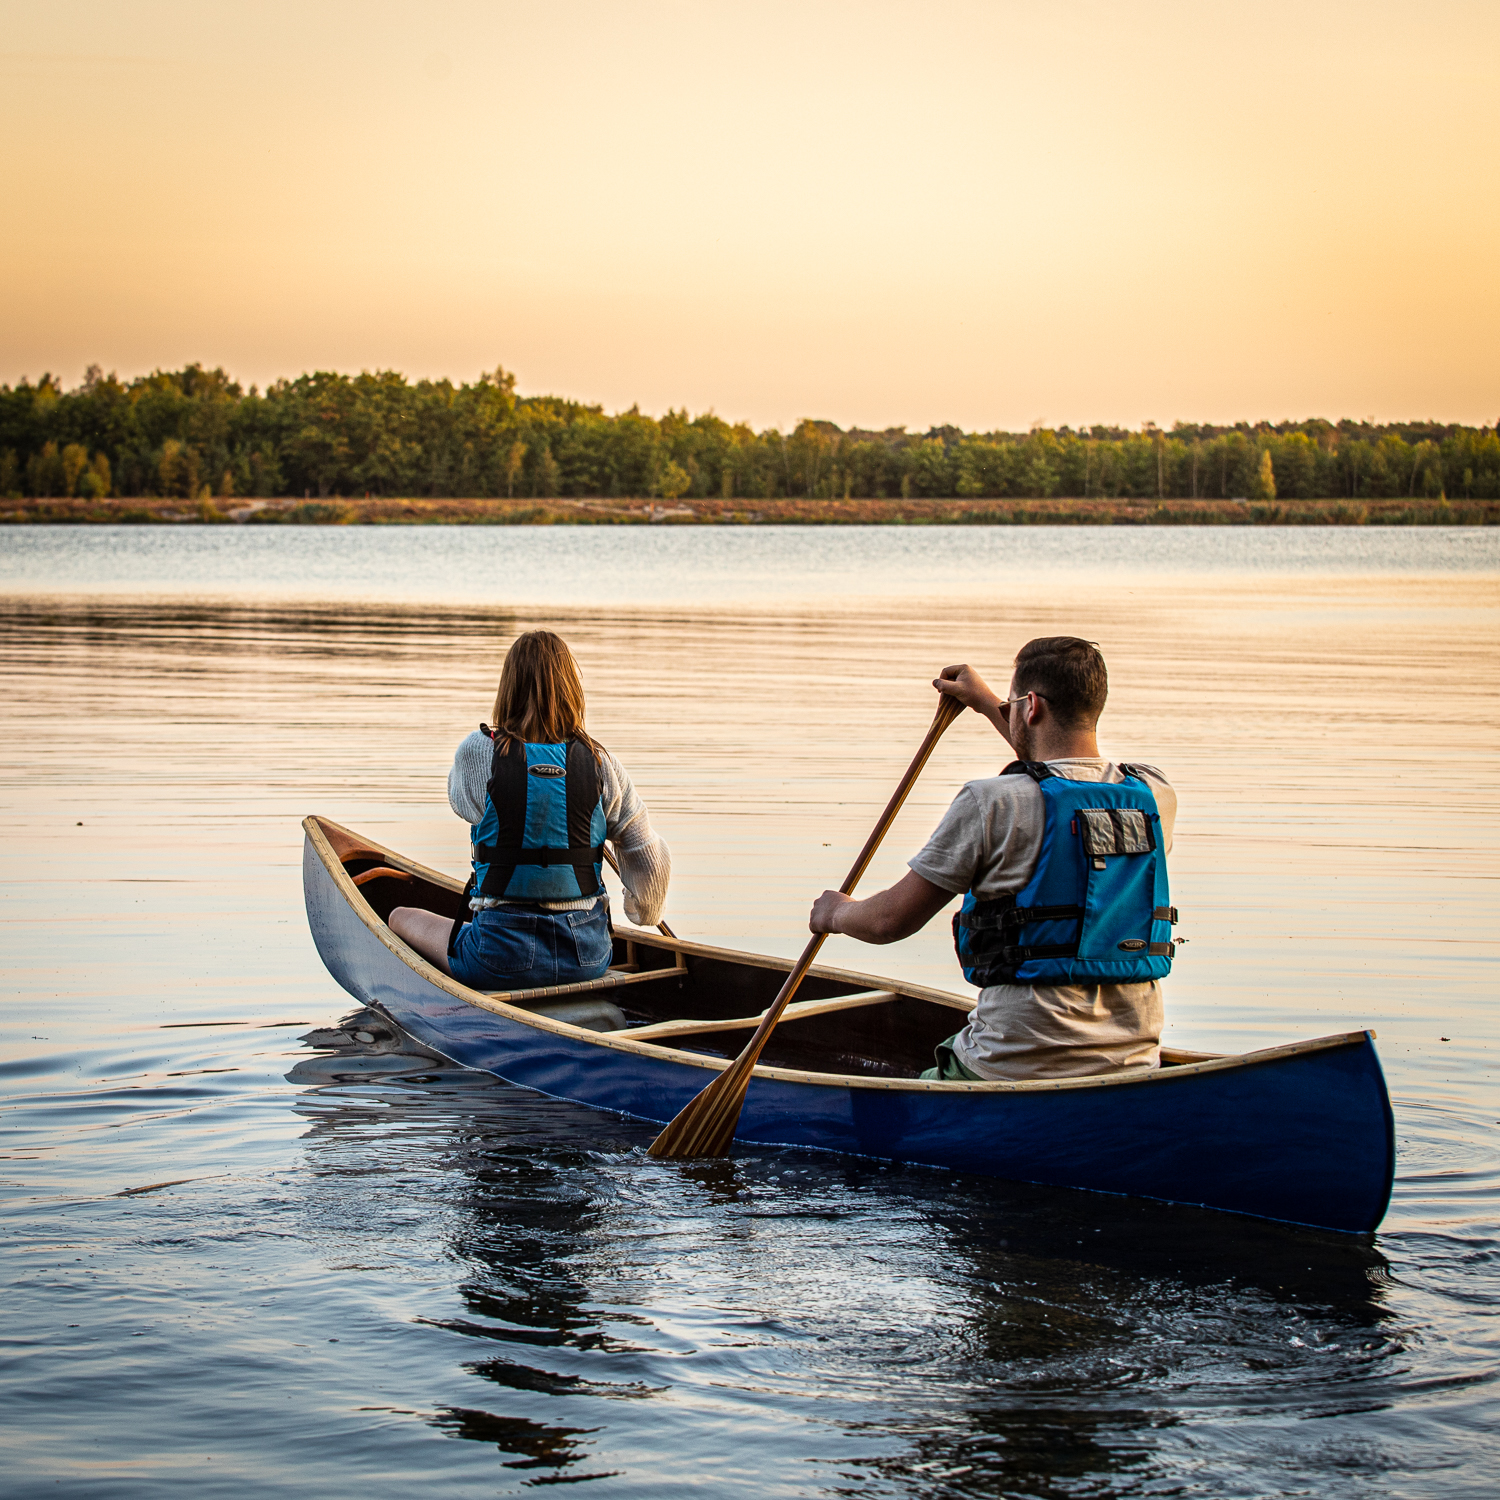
x=992 y=214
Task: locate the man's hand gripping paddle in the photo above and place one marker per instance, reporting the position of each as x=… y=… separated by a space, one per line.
x=706 y=1124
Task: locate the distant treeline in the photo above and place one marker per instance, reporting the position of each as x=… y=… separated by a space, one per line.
x=197 y=434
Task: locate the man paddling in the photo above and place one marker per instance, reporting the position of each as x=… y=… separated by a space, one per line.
x=1066 y=922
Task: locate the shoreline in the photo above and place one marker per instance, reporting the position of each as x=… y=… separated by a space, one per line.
x=615 y=512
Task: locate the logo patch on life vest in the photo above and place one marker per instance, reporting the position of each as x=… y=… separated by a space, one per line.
x=1132 y=945
x=547 y=771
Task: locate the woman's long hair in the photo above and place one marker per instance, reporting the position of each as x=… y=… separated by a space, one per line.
x=541 y=694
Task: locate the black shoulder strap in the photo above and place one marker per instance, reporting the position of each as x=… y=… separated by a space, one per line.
x=583 y=798
x=1038 y=770
x=508 y=790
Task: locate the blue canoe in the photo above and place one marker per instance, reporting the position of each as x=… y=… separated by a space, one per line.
x=1301 y=1133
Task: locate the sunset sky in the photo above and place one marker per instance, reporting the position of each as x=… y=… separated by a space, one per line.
x=886 y=214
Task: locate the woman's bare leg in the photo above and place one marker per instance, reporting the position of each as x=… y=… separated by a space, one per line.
x=426 y=931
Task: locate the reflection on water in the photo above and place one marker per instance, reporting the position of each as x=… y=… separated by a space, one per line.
x=846 y=1321
x=241 y=1264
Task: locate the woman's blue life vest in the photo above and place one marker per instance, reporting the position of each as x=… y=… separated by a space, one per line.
x=542 y=834
x=1097 y=910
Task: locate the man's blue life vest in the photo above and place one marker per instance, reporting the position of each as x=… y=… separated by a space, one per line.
x=542 y=834
x=1097 y=910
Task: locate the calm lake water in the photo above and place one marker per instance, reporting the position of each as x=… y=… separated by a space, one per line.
x=361 y=1275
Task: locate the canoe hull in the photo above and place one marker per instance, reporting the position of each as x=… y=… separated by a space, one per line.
x=1306 y=1138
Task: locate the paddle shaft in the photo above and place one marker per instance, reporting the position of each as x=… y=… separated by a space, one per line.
x=706 y=1124
x=614 y=865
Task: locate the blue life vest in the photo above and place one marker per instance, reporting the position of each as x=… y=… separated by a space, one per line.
x=542 y=834
x=1097 y=909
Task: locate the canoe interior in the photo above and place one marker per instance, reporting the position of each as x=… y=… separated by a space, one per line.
x=890 y=1040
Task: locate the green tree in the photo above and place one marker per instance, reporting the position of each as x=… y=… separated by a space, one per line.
x=548 y=472
x=673 y=481
x=171 y=468
x=1295 y=465
x=515 y=456
x=44 y=472
x=75 y=459
x=96 y=479
x=929 y=472
x=1264 y=485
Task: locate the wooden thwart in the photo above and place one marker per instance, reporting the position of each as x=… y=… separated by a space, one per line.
x=1180 y=1057
x=383 y=870
x=797 y=1011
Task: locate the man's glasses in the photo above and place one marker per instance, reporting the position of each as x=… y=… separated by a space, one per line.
x=1006 y=703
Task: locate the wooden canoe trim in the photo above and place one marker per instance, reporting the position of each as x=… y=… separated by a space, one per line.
x=614 y=980
x=316 y=830
x=796 y=1011
x=378 y=872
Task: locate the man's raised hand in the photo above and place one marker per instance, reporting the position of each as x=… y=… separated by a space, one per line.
x=965 y=684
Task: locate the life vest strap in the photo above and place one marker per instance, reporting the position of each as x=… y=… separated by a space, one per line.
x=1038 y=770
x=1018 y=916
x=1019 y=956
x=514 y=854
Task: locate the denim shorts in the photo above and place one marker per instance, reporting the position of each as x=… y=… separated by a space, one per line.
x=522 y=948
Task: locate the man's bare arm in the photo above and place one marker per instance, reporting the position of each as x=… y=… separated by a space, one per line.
x=887 y=916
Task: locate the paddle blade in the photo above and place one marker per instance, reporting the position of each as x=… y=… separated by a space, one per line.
x=705 y=1125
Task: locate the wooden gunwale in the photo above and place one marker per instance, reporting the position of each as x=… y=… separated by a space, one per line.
x=313 y=826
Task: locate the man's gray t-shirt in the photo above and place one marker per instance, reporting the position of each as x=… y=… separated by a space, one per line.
x=989 y=842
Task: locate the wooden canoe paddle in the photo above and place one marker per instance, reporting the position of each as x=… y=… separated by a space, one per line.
x=614 y=865
x=706 y=1124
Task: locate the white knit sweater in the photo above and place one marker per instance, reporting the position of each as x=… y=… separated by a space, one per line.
x=645 y=860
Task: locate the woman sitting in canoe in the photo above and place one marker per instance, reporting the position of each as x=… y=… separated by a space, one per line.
x=542 y=797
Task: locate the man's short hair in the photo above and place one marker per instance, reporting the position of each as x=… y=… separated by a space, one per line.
x=1069 y=674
